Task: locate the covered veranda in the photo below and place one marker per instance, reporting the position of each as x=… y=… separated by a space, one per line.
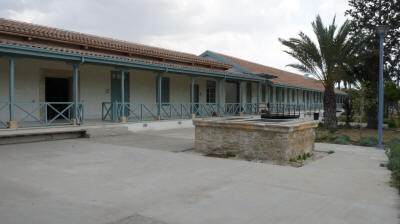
x=15 y=113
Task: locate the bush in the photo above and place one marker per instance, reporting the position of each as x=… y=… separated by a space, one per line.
x=342 y=118
x=324 y=138
x=394 y=148
x=229 y=154
x=342 y=139
x=391 y=123
x=394 y=158
x=370 y=141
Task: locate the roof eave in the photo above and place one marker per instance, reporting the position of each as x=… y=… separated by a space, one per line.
x=24 y=51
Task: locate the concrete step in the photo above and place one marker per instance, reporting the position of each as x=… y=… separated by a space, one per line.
x=39 y=134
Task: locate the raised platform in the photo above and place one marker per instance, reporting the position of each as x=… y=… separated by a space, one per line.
x=94 y=128
x=264 y=139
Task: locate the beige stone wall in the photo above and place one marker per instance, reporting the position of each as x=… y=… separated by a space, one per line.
x=254 y=140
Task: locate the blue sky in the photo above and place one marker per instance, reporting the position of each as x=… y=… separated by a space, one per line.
x=247 y=29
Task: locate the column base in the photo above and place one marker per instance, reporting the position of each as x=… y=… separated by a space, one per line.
x=240 y=113
x=193 y=116
x=73 y=120
x=122 y=119
x=12 y=124
x=159 y=117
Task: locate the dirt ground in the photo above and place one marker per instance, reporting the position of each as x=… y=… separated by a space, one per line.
x=356 y=134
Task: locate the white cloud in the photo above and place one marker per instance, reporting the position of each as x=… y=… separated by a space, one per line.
x=247 y=29
x=27 y=15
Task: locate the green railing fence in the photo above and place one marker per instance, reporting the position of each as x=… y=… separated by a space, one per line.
x=31 y=114
x=112 y=111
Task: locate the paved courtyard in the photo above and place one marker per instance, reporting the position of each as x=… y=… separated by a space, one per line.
x=147 y=178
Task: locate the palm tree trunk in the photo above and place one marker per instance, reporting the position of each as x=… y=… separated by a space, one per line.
x=372 y=116
x=330 y=119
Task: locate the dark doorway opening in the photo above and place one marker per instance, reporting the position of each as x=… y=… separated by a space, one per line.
x=231 y=92
x=57 y=90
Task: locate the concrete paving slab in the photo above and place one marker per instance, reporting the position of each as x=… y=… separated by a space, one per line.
x=102 y=180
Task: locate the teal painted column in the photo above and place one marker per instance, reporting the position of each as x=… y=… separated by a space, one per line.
x=122 y=95
x=270 y=95
x=11 y=89
x=159 y=95
x=240 y=94
x=280 y=95
x=297 y=96
x=75 y=90
x=191 y=94
x=219 y=88
x=258 y=96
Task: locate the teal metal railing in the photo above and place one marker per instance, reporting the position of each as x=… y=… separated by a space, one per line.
x=4 y=114
x=112 y=111
x=31 y=114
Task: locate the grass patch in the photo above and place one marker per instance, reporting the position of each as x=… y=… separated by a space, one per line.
x=370 y=141
x=341 y=139
x=325 y=136
x=331 y=152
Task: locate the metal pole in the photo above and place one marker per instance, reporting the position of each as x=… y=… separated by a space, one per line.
x=380 y=116
x=11 y=89
x=122 y=93
x=75 y=80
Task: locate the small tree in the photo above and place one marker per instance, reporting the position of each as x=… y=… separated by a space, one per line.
x=323 y=59
x=392 y=97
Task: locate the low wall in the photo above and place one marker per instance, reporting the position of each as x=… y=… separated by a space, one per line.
x=255 y=140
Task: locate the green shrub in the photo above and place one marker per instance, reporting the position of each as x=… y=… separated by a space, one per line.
x=370 y=141
x=331 y=152
x=391 y=123
x=341 y=139
x=394 y=158
x=229 y=154
x=342 y=118
x=321 y=125
x=293 y=160
x=394 y=148
x=324 y=138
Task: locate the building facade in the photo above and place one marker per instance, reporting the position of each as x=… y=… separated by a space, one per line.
x=57 y=77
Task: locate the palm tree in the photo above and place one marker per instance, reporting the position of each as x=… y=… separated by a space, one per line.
x=324 y=59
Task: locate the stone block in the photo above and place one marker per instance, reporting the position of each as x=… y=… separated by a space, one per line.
x=255 y=140
x=12 y=124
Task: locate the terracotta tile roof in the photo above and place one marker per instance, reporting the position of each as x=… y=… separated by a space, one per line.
x=282 y=77
x=86 y=41
x=52 y=47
